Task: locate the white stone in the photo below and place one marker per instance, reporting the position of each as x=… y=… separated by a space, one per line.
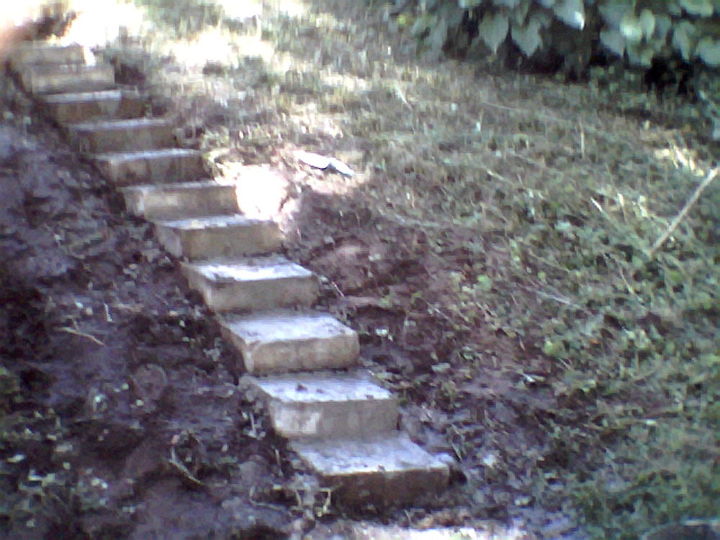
x=252 y=284
x=261 y=190
x=281 y=341
x=326 y=405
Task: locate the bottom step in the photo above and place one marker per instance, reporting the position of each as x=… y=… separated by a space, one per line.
x=384 y=470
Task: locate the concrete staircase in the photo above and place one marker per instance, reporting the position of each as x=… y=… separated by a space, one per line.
x=341 y=423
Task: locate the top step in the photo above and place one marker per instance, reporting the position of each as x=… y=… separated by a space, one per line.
x=26 y=54
x=56 y=79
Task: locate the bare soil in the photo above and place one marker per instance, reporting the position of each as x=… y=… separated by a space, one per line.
x=139 y=430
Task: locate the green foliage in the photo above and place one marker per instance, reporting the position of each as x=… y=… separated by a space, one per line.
x=636 y=30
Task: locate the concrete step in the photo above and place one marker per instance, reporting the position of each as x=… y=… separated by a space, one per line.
x=159 y=166
x=252 y=283
x=319 y=405
x=122 y=135
x=283 y=340
x=57 y=79
x=218 y=236
x=384 y=470
x=85 y=106
x=177 y=201
x=32 y=53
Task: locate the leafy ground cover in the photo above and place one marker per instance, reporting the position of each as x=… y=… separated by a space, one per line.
x=494 y=249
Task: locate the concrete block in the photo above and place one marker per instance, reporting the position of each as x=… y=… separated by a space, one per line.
x=384 y=470
x=487 y=530
x=85 y=106
x=218 y=236
x=281 y=341
x=122 y=135
x=316 y=405
x=158 y=166
x=176 y=201
x=29 y=53
x=55 y=79
x=252 y=284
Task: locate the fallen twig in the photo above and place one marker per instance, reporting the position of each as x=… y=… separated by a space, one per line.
x=689 y=204
x=182 y=469
x=92 y=338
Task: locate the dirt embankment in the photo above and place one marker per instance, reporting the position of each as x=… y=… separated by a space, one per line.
x=119 y=416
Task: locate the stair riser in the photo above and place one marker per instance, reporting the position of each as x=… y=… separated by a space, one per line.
x=344 y=419
x=83 y=110
x=270 y=347
x=325 y=405
x=257 y=295
x=98 y=140
x=334 y=353
x=386 y=489
x=221 y=242
x=127 y=170
x=175 y=204
x=385 y=470
x=68 y=79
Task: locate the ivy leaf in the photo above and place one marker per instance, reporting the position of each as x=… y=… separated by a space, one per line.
x=647 y=22
x=571 y=12
x=546 y=3
x=683 y=39
x=613 y=11
x=663 y=23
x=630 y=28
x=527 y=37
x=469 y=4
x=494 y=29
x=422 y=24
x=438 y=35
x=507 y=3
x=520 y=14
x=640 y=55
x=703 y=8
x=613 y=40
x=709 y=51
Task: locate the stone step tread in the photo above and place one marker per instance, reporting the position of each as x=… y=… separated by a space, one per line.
x=121 y=124
x=180 y=200
x=33 y=53
x=65 y=78
x=209 y=237
x=225 y=221
x=387 y=467
x=77 y=107
x=82 y=97
x=285 y=340
x=252 y=283
x=148 y=154
x=326 y=404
